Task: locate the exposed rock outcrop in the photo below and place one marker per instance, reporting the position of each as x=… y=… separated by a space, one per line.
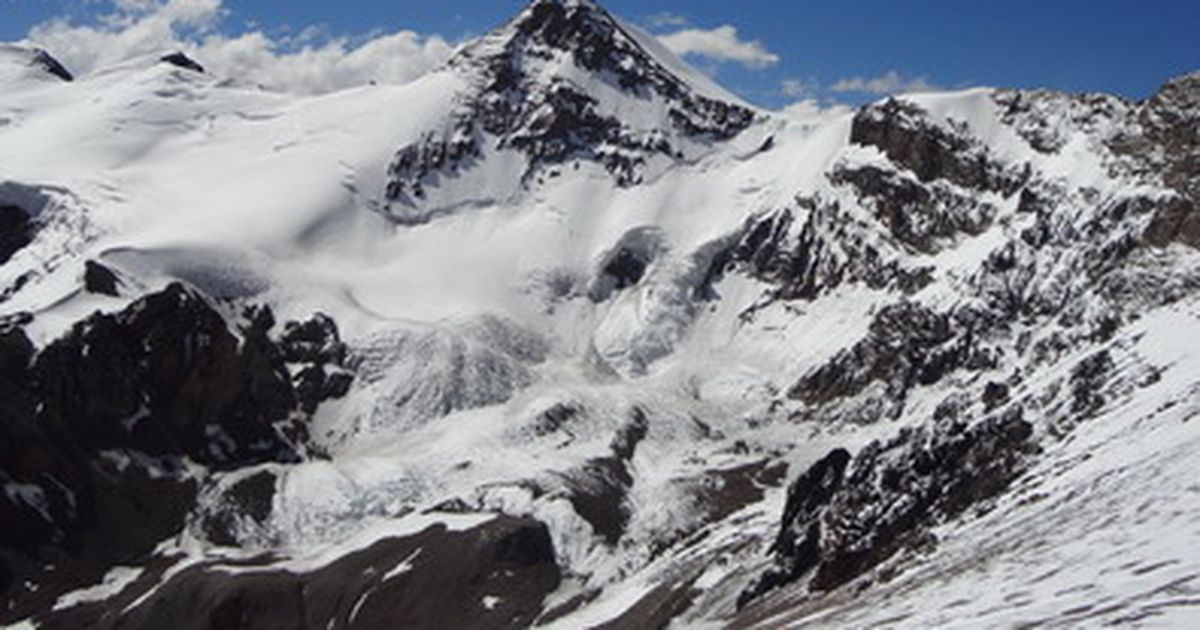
x=845 y=515
x=47 y=62
x=181 y=60
x=908 y=346
x=830 y=249
x=16 y=231
x=905 y=133
x=100 y=279
x=922 y=216
x=95 y=429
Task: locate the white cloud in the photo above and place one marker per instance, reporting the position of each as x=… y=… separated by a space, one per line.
x=891 y=82
x=297 y=64
x=812 y=111
x=799 y=88
x=666 y=19
x=720 y=44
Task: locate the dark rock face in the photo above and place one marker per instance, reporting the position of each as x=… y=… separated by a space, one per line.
x=553 y=121
x=493 y=576
x=1176 y=221
x=555 y=418
x=312 y=341
x=918 y=215
x=16 y=231
x=43 y=60
x=907 y=346
x=64 y=504
x=100 y=279
x=1171 y=120
x=803 y=270
x=626 y=263
x=626 y=269
x=905 y=134
x=995 y=395
x=1163 y=142
x=168 y=377
x=1087 y=378
x=598 y=489
x=831 y=249
x=249 y=499
x=845 y=516
x=94 y=429
x=316 y=345
x=599 y=44
x=181 y=60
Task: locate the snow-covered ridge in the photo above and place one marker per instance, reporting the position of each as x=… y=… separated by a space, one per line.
x=581 y=359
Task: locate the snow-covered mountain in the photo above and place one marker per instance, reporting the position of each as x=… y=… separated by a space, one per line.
x=563 y=334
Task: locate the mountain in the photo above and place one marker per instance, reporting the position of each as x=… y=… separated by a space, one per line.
x=563 y=334
x=563 y=83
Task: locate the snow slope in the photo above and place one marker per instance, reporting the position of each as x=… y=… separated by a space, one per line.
x=546 y=338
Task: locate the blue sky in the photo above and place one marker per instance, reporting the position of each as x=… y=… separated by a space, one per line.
x=776 y=52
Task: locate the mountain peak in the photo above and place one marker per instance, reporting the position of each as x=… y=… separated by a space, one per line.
x=566 y=81
x=590 y=38
x=41 y=62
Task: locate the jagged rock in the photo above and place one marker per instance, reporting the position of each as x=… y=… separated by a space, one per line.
x=169 y=377
x=553 y=419
x=904 y=132
x=67 y=513
x=313 y=341
x=625 y=269
x=100 y=279
x=16 y=231
x=315 y=385
x=995 y=395
x=45 y=61
x=918 y=215
x=1171 y=120
x=248 y=500
x=630 y=435
x=1086 y=381
x=94 y=426
x=626 y=264
x=316 y=345
x=907 y=346
x=845 y=516
x=1176 y=221
x=181 y=60
x=1163 y=144
x=829 y=250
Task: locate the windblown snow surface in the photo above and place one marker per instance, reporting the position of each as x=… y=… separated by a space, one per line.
x=500 y=351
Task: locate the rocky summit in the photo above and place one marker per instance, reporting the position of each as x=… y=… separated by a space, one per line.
x=563 y=334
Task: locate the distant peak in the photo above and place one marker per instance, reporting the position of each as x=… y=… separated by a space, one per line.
x=565 y=81
x=591 y=38
x=181 y=60
x=567 y=23
x=587 y=4
x=47 y=62
x=35 y=58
